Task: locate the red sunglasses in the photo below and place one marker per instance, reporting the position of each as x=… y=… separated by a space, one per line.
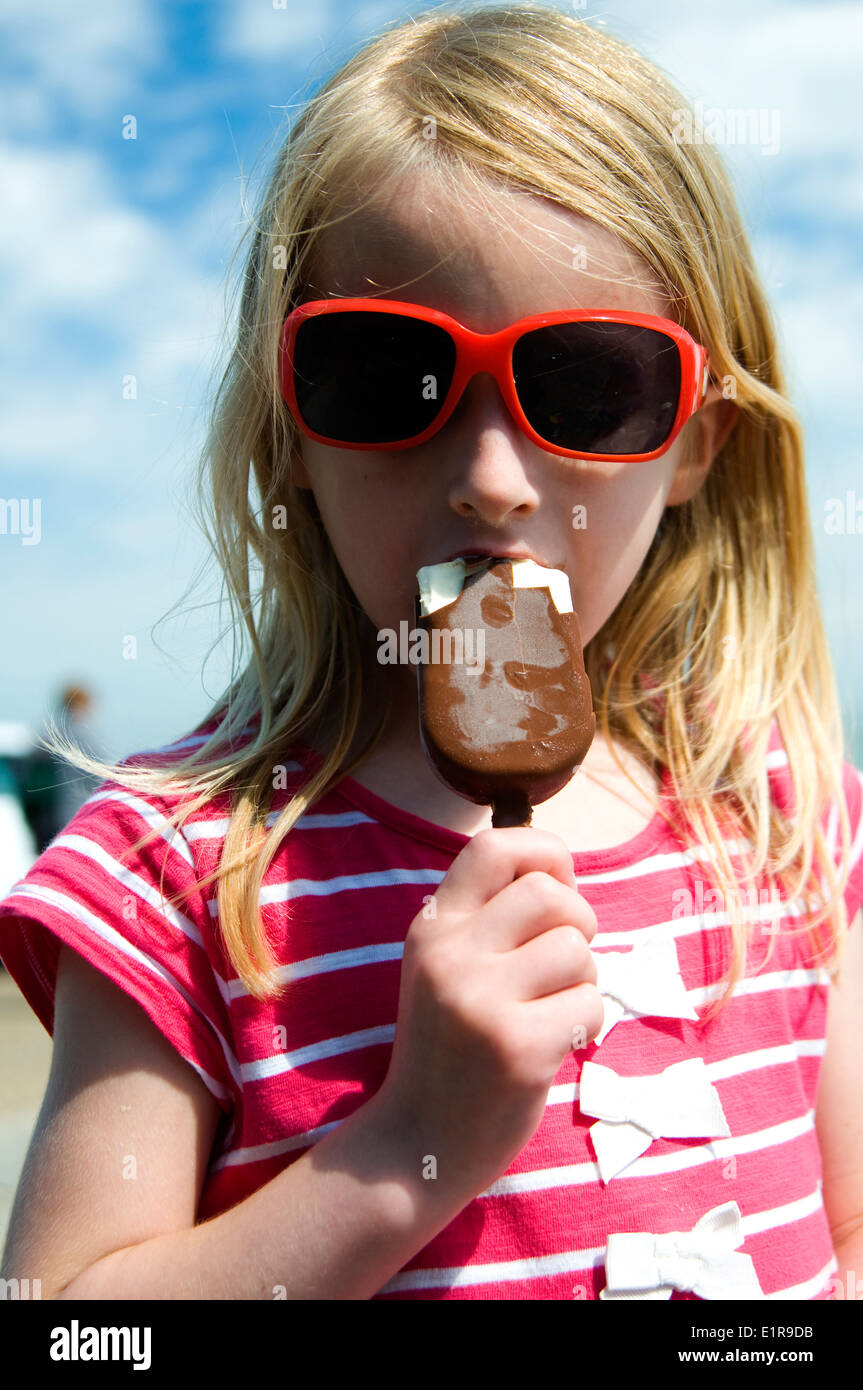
x=599 y=384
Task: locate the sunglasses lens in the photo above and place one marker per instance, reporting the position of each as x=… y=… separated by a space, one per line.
x=599 y=388
x=371 y=378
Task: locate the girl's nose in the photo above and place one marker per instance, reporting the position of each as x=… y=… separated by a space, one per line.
x=487 y=454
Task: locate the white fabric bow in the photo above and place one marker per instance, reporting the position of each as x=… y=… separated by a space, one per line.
x=635 y=1110
x=645 y=980
x=703 y=1261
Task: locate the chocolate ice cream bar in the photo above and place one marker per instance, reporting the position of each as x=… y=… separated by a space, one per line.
x=509 y=728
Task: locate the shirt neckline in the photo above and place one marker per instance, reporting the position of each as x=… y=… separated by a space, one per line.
x=453 y=842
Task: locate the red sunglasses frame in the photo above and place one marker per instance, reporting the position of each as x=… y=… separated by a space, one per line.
x=492 y=352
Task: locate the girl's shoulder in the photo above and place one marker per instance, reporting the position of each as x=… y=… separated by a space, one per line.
x=119 y=885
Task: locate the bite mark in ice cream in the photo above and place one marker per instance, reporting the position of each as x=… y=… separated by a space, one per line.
x=512 y=735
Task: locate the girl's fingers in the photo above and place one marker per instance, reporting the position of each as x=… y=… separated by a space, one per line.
x=494 y=859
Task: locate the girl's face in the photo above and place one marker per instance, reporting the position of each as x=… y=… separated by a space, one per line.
x=479 y=484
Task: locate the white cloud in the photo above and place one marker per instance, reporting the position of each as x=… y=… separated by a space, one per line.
x=802 y=60
x=87 y=56
x=263 y=33
x=77 y=260
x=68 y=237
x=825 y=346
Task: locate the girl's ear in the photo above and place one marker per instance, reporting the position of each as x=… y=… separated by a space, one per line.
x=711 y=427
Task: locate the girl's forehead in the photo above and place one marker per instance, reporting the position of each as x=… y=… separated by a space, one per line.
x=497 y=256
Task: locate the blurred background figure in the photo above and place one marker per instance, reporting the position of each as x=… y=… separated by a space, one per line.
x=18 y=843
x=51 y=790
x=39 y=793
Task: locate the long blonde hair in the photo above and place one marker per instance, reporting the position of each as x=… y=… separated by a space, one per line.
x=720 y=632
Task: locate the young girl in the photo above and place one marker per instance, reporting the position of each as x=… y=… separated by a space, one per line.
x=319 y=1031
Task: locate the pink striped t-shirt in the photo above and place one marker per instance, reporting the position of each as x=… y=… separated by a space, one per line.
x=622 y=1152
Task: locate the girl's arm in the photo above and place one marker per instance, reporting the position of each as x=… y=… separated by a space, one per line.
x=107 y=1200
x=839 y=1111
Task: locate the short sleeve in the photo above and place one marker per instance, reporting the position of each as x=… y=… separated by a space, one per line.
x=114 y=909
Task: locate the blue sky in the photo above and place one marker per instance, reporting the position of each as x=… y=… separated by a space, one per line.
x=114 y=258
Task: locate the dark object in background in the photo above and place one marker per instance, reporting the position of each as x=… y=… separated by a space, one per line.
x=70 y=788
x=17 y=841
x=38 y=776
x=51 y=790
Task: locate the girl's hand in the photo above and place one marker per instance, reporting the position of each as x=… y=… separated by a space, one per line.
x=497 y=986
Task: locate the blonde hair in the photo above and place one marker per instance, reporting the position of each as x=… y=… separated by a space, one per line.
x=719 y=633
